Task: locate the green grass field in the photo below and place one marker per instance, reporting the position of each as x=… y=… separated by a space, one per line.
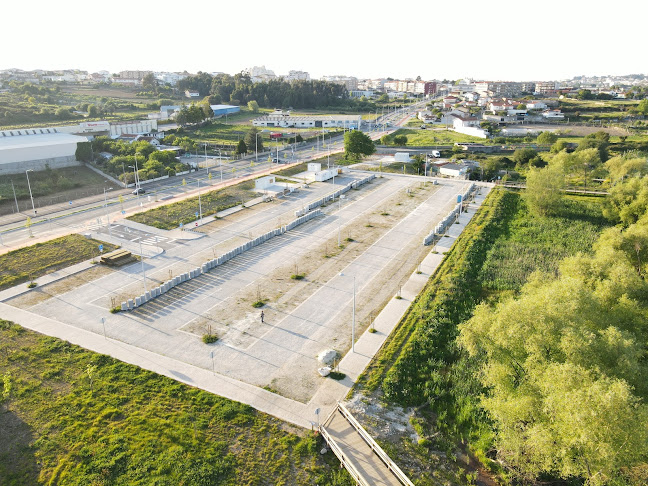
x=50 y=182
x=431 y=137
x=75 y=417
x=18 y=266
x=171 y=215
x=539 y=243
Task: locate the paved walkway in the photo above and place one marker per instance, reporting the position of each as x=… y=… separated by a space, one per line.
x=362 y=458
x=286 y=409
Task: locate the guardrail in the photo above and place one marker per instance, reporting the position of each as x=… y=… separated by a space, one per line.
x=391 y=465
x=450 y=218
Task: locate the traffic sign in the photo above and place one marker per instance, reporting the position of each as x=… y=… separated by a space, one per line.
x=101 y=248
x=197 y=214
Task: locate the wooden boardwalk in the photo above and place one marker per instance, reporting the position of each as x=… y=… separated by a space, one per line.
x=365 y=460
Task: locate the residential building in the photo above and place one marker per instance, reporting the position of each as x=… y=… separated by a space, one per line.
x=192 y=94
x=350 y=82
x=259 y=74
x=297 y=76
x=501 y=89
x=546 y=87
x=139 y=75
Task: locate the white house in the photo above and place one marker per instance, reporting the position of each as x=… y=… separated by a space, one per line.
x=536 y=105
x=553 y=115
x=454 y=170
x=192 y=94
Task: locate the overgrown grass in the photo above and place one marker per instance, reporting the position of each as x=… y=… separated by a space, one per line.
x=40 y=259
x=78 y=418
x=171 y=215
x=49 y=182
x=534 y=242
x=431 y=137
x=421 y=363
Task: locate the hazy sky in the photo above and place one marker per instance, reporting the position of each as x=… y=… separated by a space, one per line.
x=496 y=40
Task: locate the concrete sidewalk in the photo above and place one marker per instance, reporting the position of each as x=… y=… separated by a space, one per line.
x=328 y=394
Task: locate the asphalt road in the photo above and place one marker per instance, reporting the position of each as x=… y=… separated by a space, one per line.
x=90 y=215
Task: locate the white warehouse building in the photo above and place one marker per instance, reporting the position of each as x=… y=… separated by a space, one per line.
x=315 y=121
x=36 y=149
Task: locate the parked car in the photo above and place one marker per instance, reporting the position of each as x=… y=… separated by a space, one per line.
x=139 y=190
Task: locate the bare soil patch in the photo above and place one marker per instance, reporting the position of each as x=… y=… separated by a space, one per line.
x=46 y=292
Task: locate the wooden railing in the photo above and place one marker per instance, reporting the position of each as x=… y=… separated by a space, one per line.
x=391 y=465
x=344 y=460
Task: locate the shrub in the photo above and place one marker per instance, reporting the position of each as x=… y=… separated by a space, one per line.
x=209 y=338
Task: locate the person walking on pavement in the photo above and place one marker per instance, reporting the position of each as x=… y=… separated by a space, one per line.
x=262 y=316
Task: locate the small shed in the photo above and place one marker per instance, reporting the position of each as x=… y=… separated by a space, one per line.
x=263 y=183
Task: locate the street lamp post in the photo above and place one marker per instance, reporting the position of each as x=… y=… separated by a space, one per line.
x=106 y=210
x=142 y=261
x=354 y=313
x=199 y=202
x=220 y=163
x=30 y=191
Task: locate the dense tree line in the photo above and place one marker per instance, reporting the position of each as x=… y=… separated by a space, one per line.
x=240 y=90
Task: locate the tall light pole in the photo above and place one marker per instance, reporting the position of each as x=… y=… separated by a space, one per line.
x=354 y=312
x=142 y=261
x=30 y=191
x=199 y=203
x=256 y=148
x=220 y=163
x=106 y=210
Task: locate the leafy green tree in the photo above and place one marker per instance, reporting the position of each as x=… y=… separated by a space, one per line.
x=584 y=94
x=241 y=147
x=544 y=188
x=547 y=138
x=253 y=106
x=563 y=365
x=83 y=152
x=254 y=140
x=357 y=144
x=626 y=165
x=384 y=98
x=523 y=156
x=642 y=108
x=627 y=202
x=149 y=83
x=93 y=111
x=384 y=140
x=559 y=146
x=400 y=140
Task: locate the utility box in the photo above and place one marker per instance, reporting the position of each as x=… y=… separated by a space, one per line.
x=325 y=175
x=402 y=157
x=263 y=183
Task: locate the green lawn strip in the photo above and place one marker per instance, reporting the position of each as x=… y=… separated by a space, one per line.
x=75 y=417
x=40 y=259
x=171 y=215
